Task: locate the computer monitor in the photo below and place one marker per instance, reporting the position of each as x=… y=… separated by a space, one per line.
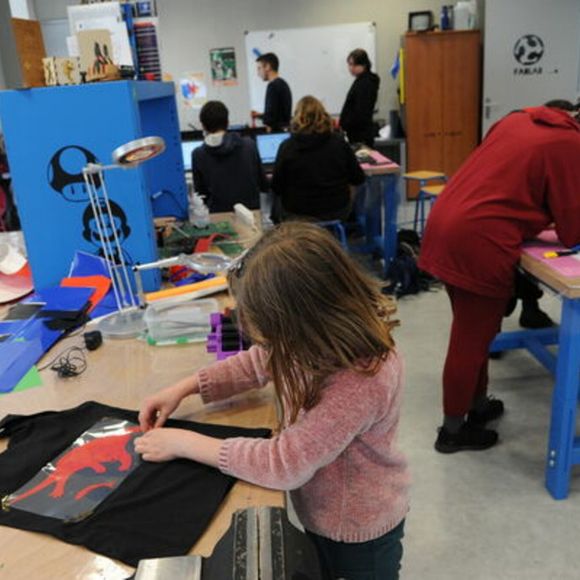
x=268 y=145
x=187 y=148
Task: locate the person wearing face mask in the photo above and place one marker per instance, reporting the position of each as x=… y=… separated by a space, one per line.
x=356 y=117
x=227 y=167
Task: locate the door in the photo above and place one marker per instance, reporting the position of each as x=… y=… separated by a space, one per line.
x=531 y=54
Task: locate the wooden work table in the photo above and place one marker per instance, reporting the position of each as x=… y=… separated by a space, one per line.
x=122 y=373
x=564 y=285
x=563 y=445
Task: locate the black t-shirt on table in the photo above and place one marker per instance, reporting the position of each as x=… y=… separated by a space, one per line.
x=159 y=509
x=278 y=107
x=312 y=174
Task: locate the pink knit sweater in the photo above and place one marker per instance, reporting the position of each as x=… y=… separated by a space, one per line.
x=347 y=479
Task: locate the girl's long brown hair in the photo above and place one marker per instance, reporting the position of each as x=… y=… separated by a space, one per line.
x=310 y=117
x=314 y=309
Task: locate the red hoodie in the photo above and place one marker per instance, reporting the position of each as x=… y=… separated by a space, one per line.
x=524 y=176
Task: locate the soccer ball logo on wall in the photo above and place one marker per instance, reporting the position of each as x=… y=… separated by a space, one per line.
x=529 y=49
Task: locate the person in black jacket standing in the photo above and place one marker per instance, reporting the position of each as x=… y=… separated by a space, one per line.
x=227 y=167
x=315 y=170
x=278 y=106
x=356 y=118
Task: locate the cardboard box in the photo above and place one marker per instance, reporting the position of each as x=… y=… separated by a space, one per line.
x=61 y=71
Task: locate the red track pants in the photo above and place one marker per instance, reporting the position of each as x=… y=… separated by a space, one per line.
x=476 y=321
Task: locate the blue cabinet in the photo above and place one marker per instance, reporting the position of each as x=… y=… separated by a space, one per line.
x=52 y=133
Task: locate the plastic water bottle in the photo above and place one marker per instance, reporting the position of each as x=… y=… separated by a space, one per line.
x=444 y=21
x=465 y=15
x=199 y=215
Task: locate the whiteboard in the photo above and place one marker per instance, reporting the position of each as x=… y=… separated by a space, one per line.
x=312 y=60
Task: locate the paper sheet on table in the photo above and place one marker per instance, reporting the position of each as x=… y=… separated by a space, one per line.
x=547 y=241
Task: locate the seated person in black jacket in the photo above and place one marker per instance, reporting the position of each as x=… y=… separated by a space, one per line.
x=356 y=118
x=226 y=168
x=315 y=168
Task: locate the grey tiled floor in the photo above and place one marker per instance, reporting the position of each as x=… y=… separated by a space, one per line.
x=481 y=515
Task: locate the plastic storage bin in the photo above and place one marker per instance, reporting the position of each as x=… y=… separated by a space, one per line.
x=175 y=322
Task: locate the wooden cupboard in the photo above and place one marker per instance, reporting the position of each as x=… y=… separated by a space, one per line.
x=442 y=99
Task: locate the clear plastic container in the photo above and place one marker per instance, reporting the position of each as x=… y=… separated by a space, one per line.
x=175 y=321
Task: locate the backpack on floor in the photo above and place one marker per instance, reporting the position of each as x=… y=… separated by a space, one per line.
x=405 y=277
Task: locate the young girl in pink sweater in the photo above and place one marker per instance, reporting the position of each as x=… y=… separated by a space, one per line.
x=322 y=335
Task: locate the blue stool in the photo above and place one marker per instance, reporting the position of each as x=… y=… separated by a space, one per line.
x=423 y=177
x=337 y=228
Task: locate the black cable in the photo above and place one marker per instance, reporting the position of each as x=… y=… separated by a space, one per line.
x=71 y=362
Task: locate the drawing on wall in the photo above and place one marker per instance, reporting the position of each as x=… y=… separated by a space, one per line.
x=223 y=66
x=193 y=90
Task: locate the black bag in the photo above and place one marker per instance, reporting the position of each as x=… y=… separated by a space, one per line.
x=404 y=275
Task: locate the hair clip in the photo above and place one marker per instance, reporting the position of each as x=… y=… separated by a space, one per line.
x=237 y=266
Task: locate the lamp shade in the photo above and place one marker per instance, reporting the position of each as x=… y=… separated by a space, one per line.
x=135 y=152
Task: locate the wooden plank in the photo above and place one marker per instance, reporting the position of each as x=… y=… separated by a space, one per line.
x=30 y=47
x=566 y=286
x=462 y=98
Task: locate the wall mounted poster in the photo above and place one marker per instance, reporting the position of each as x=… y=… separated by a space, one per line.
x=223 y=66
x=193 y=89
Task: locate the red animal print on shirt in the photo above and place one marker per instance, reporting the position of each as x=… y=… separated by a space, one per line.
x=92 y=455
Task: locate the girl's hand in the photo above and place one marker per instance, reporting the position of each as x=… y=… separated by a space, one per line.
x=158 y=407
x=160 y=445
x=165 y=444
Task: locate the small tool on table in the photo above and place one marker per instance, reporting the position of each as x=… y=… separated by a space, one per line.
x=561 y=253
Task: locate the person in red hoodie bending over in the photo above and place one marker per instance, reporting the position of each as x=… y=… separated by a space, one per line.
x=524 y=176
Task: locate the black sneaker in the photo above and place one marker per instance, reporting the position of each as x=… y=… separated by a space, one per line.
x=494 y=410
x=468 y=438
x=535 y=319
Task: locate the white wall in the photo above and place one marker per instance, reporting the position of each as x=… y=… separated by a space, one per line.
x=2 y=81
x=51 y=9
x=189 y=29
x=23 y=9
x=9 y=64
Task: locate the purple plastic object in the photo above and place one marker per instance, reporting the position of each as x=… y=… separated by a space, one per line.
x=214 y=339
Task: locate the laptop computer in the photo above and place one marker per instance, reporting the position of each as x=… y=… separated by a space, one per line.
x=268 y=146
x=187 y=148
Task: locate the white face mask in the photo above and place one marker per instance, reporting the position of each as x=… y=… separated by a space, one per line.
x=214 y=139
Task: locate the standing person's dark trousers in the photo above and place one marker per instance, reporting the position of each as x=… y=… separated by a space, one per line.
x=476 y=321
x=378 y=559
x=366 y=136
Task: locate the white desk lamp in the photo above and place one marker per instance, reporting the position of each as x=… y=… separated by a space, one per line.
x=128 y=321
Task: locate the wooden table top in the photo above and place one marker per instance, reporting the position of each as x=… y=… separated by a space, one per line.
x=564 y=285
x=121 y=373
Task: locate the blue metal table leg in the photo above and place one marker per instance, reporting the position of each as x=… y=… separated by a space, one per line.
x=564 y=402
x=390 y=208
x=373 y=213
